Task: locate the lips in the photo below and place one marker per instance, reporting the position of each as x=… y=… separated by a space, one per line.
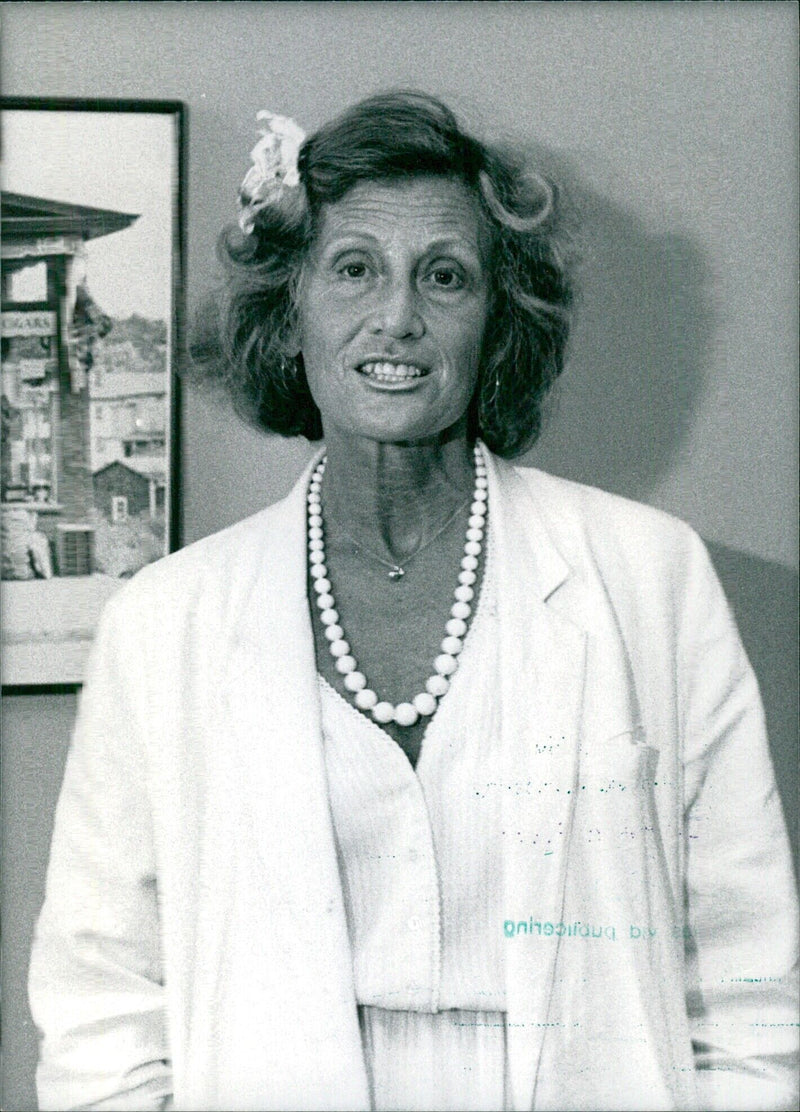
x=390 y=372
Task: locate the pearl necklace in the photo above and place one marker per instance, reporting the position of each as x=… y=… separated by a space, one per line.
x=404 y=714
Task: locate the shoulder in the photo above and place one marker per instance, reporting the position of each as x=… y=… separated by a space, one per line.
x=616 y=535
x=573 y=507
x=211 y=570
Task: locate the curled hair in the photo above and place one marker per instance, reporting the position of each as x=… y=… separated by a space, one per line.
x=245 y=338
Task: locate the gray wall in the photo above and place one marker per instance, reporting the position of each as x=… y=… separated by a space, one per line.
x=674 y=127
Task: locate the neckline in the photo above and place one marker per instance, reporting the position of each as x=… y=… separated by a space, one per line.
x=475 y=629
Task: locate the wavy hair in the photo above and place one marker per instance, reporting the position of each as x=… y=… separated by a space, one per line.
x=243 y=337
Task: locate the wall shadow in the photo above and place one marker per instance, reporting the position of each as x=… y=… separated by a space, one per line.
x=35 y=738
x=764 y=598
x=639 y=349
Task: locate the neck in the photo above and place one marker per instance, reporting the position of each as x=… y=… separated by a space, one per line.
x=392 y=498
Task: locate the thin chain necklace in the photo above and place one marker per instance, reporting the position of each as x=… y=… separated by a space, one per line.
x=397 y=571
x=404 y=714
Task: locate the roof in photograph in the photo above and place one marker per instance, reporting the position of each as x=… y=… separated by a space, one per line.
x=23 y=217
x=141 y=471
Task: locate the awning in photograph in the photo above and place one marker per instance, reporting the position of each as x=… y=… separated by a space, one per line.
x=23 y=217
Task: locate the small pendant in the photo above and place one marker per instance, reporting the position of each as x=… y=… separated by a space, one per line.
x=396 y=573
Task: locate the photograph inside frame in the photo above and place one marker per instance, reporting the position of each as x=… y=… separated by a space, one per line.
x=89 y=262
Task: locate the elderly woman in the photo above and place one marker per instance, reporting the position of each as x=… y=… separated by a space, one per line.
x=441 y=784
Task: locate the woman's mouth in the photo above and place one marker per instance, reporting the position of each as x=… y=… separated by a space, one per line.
x=391 y=374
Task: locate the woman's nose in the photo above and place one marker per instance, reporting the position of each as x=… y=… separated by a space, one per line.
x=397 y=313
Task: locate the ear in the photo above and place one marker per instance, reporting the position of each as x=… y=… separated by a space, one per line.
x=293 y=334
x=293 y=343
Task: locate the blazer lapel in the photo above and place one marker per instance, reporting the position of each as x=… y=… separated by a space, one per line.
x=543 y=657
x=272 y=701
x=271 y=691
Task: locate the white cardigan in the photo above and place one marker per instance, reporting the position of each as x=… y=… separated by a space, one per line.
x=193 y=946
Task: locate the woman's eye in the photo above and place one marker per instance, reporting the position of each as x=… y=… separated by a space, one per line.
x=446 y=278
x=353 y=270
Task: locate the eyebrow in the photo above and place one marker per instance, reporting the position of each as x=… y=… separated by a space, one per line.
x=449 y=244
x=445 y=243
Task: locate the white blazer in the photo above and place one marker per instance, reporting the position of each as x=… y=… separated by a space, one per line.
x=192 y=949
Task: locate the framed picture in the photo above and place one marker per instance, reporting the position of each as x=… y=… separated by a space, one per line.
x=92 y=262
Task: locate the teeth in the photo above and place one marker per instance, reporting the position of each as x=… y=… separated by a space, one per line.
x=392 y=372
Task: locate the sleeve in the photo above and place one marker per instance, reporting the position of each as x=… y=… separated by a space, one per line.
x=741 y=935
x=95 y=978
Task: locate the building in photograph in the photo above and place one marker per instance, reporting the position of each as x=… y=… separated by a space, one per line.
x=128 y=418
x=121 y=492
x=50 y=324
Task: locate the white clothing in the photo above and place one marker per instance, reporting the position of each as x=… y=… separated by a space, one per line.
x=418 y=855
x=452 y=1061
x=193 y=941
x=419 y=849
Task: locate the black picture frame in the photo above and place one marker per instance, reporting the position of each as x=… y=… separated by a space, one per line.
x=90 y=367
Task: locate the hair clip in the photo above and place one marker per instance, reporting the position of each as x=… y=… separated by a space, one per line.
x=274 y=167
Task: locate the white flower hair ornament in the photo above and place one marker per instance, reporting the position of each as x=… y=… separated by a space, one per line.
x=274 y=168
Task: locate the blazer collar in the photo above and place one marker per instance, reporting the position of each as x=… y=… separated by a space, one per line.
x=270 y=683
x=526 y=529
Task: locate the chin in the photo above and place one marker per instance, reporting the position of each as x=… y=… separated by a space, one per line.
x=394 y=432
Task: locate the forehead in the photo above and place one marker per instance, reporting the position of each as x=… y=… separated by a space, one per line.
x=413 y=213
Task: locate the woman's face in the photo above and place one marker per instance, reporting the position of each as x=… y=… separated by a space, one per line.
x=393 y=306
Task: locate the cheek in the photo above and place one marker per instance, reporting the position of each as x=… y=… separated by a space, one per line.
x=466 y=344
x=326 y=331
x=313 y=334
